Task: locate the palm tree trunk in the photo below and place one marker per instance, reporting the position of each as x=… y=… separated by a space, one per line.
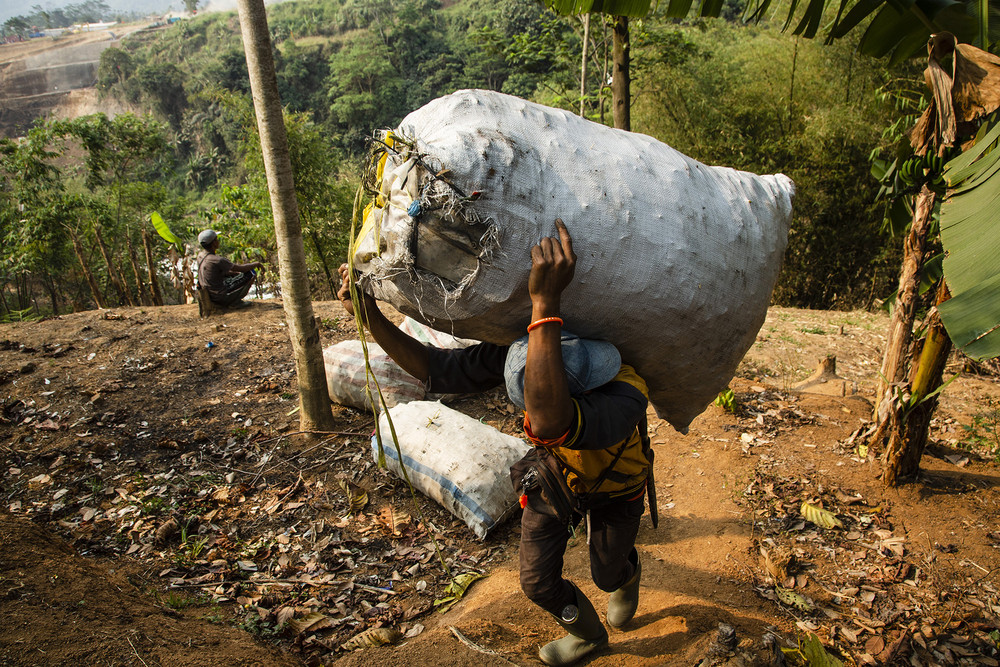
x=620 y=81
x=187 y=289
x=314 y=399
x=154 y=284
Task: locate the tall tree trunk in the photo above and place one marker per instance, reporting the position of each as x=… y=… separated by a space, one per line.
x=911 y=427
x=140 y=287
x=50 y=287
x=620 y=82
x=117 y=279
x=583 y=65
x=604 y=69
x=322 y=260
x=314 y=399
x=154 y=284
x=890 y=413
x=23 y=295
x=95 y=290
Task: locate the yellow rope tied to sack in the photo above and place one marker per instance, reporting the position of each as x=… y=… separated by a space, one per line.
x=361 y=321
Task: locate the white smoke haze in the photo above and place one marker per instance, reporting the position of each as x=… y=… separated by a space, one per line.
x=9 y=8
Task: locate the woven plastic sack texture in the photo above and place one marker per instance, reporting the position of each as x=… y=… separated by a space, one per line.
x=346 y=378
x=454 y=459
x=425 y=334
x=676 y=259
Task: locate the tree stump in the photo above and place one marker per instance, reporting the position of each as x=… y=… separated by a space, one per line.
x=826 y=381
x=205 y=305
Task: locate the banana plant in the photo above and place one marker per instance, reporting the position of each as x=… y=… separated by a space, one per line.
x=971 y=238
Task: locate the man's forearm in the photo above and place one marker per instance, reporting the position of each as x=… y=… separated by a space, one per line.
x=546 y=392
x=242 y=268
x=406 y=351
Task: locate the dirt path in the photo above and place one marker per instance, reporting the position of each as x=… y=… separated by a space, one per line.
x=116 y=423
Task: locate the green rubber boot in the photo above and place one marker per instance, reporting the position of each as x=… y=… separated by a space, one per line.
x=623 y=602
x=586 y=633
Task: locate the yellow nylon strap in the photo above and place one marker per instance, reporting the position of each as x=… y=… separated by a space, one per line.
x=379 y=201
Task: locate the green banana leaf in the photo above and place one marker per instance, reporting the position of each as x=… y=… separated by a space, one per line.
x=970 y=234
x=162 y=229
x=614 y=7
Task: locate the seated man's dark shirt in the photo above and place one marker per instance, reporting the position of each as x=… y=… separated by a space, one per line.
x=609 y=414
x=212 y=272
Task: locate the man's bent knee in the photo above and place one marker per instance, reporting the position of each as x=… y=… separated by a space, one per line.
x=551 y=596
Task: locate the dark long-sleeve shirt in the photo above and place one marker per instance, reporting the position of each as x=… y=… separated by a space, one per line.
x=607 y=415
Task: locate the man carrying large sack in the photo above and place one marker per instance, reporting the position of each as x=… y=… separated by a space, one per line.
x=585 y=413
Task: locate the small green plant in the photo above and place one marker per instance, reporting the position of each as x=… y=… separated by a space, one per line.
x=727 y=401
x=153 y=505
x=195 y=547
x=983 y=434
x=176 y=601
x=214 y=614
x=286 y=396
x=26 y=315
x=813 y=330
x=239 y=433
x=95 y=484
x=257 y=626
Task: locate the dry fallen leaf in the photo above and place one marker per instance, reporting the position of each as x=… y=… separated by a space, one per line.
x=307 y=622
x=166 y=531
x=372 y=637
x=776 y=562
x=820 y=516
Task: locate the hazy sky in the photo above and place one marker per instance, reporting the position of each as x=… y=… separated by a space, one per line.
x=10 y=8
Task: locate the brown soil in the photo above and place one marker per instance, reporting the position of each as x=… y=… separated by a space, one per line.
x=159 y=509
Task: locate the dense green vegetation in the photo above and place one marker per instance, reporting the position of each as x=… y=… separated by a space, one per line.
x=78 y=195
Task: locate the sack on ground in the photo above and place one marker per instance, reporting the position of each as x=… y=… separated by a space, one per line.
x=676 y=259
x=346 y=379
x=425 y=334
x=345 y=369
x=454 y=459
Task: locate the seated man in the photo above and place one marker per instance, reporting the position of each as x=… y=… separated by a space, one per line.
x=225 y=282
x=584 y=407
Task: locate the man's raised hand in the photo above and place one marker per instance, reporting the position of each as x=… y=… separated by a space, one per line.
x=553 y=264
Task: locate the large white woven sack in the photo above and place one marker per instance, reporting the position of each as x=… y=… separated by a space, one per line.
x=454 y=459
x=676 y=259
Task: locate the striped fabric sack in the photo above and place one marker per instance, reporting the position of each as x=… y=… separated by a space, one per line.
x=455 y=460
x=347 y=381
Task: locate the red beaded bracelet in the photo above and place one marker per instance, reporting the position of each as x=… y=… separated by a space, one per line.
x=544 y=320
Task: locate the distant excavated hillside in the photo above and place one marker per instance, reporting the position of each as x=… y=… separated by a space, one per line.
x=38 y=76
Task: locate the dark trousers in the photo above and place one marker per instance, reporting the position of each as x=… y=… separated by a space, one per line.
x=613 y=529
x=234 y=288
